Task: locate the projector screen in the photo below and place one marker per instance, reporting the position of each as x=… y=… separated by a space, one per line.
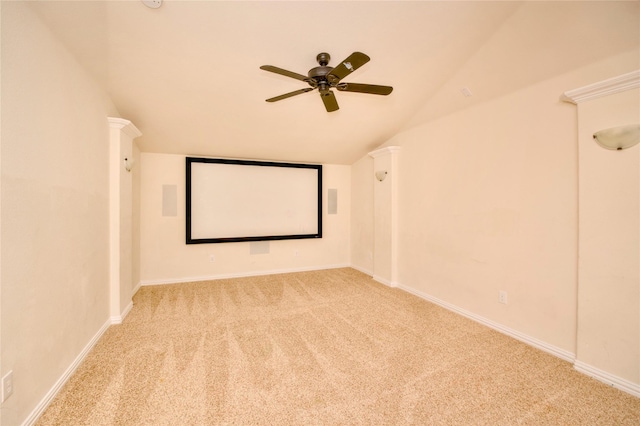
x=241 y=200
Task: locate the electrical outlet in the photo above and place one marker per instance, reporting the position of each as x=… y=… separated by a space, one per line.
x=502 y=297
x=212 y=258
x=7 y=385
x=296 y=252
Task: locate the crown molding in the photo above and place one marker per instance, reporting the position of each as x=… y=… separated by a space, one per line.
x=125 y=126
x=384 y=151
x=603 y=88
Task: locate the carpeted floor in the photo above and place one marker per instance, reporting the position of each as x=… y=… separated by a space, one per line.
x=326 y=347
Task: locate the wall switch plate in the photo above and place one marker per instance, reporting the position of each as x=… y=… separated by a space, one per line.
x=502 y=297
x=7 y=385
x=212 y=258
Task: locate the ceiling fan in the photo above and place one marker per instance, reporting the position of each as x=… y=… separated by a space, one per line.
x=324 y=78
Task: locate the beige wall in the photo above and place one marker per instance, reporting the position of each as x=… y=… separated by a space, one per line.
x=489 y=201
x=166 y=258
x=55 y=188
x=609 y=267
x=362 y=222
x=135 y=261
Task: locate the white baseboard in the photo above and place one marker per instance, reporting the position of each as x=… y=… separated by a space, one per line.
x=44 y=403
x=385 y=281
x=239 y=275
x=622 y=384
x=553 y=350
x=611 y=380
x=363 y=270
x=375 y=277
x=136 y=288
x=600 y=375
x=117 y=319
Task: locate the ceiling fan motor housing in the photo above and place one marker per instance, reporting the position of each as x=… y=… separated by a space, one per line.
x=319 y=74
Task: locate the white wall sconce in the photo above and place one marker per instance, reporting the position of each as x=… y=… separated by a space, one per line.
x=128 y=164
x=381 y=175
x=618 y=138
x=153 y=4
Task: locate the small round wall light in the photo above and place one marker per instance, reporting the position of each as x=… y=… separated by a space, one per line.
x=128 y=164
x=618 y=138
x=153 y=4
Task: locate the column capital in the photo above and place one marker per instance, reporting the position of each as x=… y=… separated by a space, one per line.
x=125 y=126
x=384 y=151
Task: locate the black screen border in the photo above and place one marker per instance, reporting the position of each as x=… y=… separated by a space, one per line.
x=191 y=160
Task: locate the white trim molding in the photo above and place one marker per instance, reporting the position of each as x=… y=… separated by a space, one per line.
x=531 y=341
x=383 y=151
x=44 y=403
x=384 y=281
x=363 y=270
x=607 y=378
x=603 y=88
x=136 y=288
x=600 y=375
x=125 y=126
x=237 y=275
x=117 y=319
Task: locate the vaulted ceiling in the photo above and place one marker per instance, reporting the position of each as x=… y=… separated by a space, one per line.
x=188 y=73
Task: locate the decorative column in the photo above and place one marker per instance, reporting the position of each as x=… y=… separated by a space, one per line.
x=385 y=241
x=608 y=333
x=122 y=134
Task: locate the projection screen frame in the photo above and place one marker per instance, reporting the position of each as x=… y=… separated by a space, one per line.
x=188 y=216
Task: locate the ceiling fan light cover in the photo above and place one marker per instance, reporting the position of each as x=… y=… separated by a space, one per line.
x=618 y=138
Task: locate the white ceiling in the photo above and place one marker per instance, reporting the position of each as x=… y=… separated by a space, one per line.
x=187 y=74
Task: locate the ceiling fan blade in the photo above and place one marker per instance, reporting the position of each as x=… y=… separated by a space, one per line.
x=290 y=94
x=346 y=67
x=286 y=73
x=364 y=88
x=329 y=100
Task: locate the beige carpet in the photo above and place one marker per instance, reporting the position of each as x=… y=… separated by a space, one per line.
x=327 y=347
